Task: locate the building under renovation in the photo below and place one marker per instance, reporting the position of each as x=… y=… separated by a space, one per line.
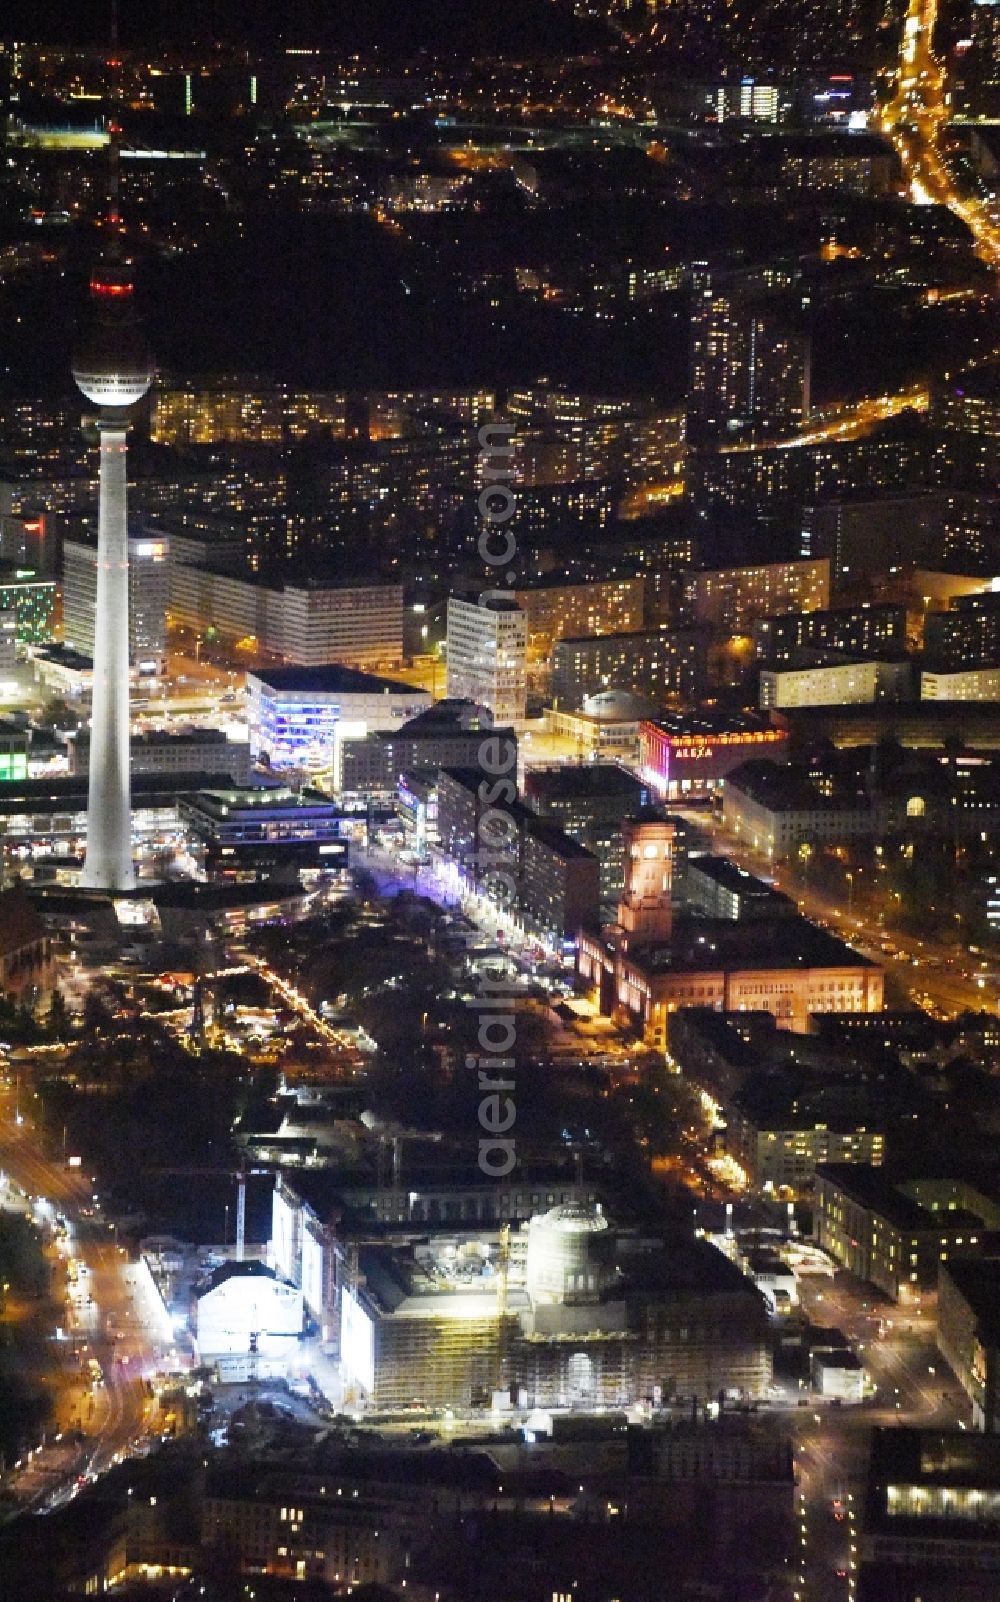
x=561 y=1308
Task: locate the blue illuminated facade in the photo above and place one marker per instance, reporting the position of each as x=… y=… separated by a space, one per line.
x=296 y=714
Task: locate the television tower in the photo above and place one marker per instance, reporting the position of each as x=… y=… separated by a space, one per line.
x=113 y=368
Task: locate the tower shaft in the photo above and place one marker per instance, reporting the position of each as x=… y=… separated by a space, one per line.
x=108 y=864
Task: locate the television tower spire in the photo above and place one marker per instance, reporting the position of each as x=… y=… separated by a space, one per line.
x=113 y=368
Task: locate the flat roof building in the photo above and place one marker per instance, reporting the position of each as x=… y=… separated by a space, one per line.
x=590 y=1315
x=487 y=655
x=265 y=834
x=855 y=631
x=835 y=684
x=785 y=966
x=776 y=808
x=295 y=714
x=780 y=1129
x=930 y=1522
x=968 y=1333
x=308 y=620
x=668 y=666
x=732 y=599
x=557 y=608
x=691 y=754
x=447 y=734
x=894 y=1231
x=148 y=598
x=714 y=887
x=548 y=879
x=590 y=804
x=964 y=684
x=186 y=751
x=32 y=599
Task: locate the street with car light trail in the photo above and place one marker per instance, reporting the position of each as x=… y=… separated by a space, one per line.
x=942 y=977
x=915 y=121
x=105 y=1315
x=913 y=1386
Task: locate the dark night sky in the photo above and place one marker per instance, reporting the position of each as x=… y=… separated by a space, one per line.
x=404 y=24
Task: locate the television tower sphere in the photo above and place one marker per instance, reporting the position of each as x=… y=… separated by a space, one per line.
x=112 y=363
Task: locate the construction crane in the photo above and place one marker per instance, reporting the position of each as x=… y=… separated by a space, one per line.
x=395 y=1135
x=241 y=1212
x=240 y=1175
x=503 y=1274
x=196 y=1028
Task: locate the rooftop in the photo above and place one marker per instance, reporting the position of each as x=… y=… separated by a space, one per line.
x=444 y=717
x=569 y=782
x=11 y=574
x=713 y=944
x=839 y=1358
x=718 y=1032
x=538 y=828
x=234 y=1270
x=332 y=679
x=550 y=835
x=455 y=1279
x=731 y=877
x=792 y=1100
x=233 y=802
x=686 y=725
x=977 y=1280
x=20 y=924
x=156 y=738
x=66 y=793
x=916 y=1481
x=489 y=602
x=63 y=655
x=628 y=636
x=787 y=787
x=888 y=1194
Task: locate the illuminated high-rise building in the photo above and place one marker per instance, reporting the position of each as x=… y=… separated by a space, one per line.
x=487 y=654
x=113 y=369
x=978 y=71
x=149 y=598
x=750 y=370
x=718 y=355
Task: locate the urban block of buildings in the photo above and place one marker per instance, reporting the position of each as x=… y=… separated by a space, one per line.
x=647 y=967
x=445 y=735
x=545 y=877
x=565 y=1307
x=487 y=655
x=297 y=714
x=894 y=1232
x=306 y=621
x=667 y=665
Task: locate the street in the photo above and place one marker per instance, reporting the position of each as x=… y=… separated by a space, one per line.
x=940 y=977
x=913 y=1386
x=107 y=1339
x=916 y=120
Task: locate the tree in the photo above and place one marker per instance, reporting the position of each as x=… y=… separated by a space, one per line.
x=58 y=1019
x=96 y=1014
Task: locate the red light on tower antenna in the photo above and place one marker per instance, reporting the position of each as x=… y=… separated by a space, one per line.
x=100 y=286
